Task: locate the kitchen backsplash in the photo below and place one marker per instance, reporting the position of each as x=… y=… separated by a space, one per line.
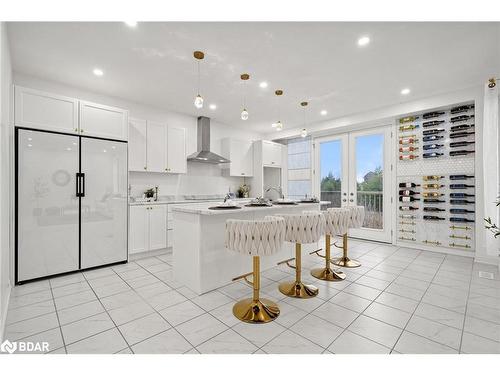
x=200 y=179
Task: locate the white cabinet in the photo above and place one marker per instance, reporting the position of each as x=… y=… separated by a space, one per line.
x=41 y=110
x=176 y=150
x=240 y=152
x=147 y=228
x=103 y=121
x=156 y=147
x=137 y=145
x=271 y=154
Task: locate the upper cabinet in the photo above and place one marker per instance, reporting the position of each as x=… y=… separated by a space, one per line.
x=156 y=147
x=42 y=110
x=240 y=152
x=271 y=154
x=103 y=121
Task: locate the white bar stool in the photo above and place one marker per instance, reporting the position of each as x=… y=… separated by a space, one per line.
x=255 y=237
x=301 y=229
x=356 y=221
x=336 y=224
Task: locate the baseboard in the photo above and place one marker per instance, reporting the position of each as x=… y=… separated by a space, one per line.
x=146 y=254
x=4 y=315
x=487 y=260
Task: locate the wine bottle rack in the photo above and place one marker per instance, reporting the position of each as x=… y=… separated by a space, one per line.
x=443 y=214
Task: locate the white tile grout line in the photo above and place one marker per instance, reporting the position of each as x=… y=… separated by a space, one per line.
x=58 y=321
x=465 y=312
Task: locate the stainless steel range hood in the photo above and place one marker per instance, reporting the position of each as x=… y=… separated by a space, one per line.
x=204 y=155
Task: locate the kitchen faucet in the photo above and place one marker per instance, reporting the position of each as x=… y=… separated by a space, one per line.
x=278 y=189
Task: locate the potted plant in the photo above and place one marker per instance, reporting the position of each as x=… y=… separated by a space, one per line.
x=492 y=226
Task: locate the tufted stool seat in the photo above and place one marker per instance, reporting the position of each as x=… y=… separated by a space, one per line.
x=304 y=228
x=256 y=238
x=336 y=224
x=357 y=217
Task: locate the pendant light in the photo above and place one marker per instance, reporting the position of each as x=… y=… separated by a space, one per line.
x=278 y=125
x=198 y=100
x=244 y=114
x=303 y=132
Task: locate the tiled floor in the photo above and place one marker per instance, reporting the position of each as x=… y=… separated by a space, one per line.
x=399 y=301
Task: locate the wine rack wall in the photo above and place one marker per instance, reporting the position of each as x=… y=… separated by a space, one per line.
x=435 y=179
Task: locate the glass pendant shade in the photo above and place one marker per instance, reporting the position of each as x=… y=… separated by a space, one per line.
x=244 y=114
x=198 y=101
x=278 y=126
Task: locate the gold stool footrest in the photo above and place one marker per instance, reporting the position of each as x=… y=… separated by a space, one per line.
x=245 y=277
x=287 y=261
x=317 y=253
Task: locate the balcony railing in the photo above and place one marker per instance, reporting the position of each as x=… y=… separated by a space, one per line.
x=371 y=200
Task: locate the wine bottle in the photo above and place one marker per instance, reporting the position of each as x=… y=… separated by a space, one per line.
x=460 y=195
x=432 y=138
x=407 y=193
x=428 y=194
x=461 y=108
x=461 y=134
x=433 y=186
x=408 y=199
x=433 y=131
x=460 y=201
x=407 y=208
x=407 y=119
x=460 y=177
x=432 y=178
x=434 y=209
x=461 y=127
x=432 y=155
x=461 y=220
x=460 y=211
x=408 y=149
x=432 y=217
x=432 y=114
x=460 y=153
x=408 y=141
x=407 y=216
x=428 y=124
x=408 y=184
x=432 y=146
x=460 y=186
x=434 y=200
x=405 y=128
x=461 y=118
x=461 y=144
x=408 y=157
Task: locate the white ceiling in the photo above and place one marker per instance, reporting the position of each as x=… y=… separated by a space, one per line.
x=318 y=62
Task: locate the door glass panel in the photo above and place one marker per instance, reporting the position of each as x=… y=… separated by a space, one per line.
x=331 y=172
x=47 y=238
x=369 y=178
x=104 y=205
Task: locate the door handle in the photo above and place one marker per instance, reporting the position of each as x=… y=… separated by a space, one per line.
x=351 y=200
x=82 y=191
x=77 y=183
x=344 y=200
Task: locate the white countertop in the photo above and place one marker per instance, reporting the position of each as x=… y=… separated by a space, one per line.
x=182 y=201
x=203 y=208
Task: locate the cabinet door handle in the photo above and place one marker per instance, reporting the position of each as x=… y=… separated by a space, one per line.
x=81 y=130
x=351 y=200
x=242 y=174
x=344 y=200
x=76 y=130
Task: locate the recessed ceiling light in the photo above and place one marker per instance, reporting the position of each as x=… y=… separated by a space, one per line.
x=405 y=91
x=74 y=143
x=131 y=23
x=68 y=149
x=363 y=41
x=30 y=139
x=263 y=85
x=213 y=107
x=98 y=72
x=30 y=145
x=324 y=112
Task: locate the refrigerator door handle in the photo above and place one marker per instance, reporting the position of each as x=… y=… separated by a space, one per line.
x=77 y=180
x=82 y=191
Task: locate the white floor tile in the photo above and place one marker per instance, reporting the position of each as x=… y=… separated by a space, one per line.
x=33 y=287
x=350 y=301
x=289 y=315
x=201 y=329
x=30 y=299
x=435 y=331
x=373 y=282
x=317 y=330
x=362 y=291
x=86 y=327
x=107 y=342
x=29 y=311
x=290 y=343
x=482 y=328
x=259 y=334
x=375 y=330
x=211 y=300
x=164 y=300
x=72 y=314
x=440 y=315
x=409 y=343
x=387 y=314
x=181 y=312
x=168 y=342
x=473 y=344
x=398 y=302
x=75 y=299
x=29 y=327
x=125 y=314
x=350 y=343
x=228 y=342
x=143 y=328
x=335 y=314
x=52 y=336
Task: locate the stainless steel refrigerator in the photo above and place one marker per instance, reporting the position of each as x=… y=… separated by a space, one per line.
x=71 y=203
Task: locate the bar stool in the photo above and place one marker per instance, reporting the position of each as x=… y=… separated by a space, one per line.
x=356 y=221
x=301 y=229
x=255 y=237
x=336 y=224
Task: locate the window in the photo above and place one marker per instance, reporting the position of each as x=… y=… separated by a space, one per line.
x=299 y=168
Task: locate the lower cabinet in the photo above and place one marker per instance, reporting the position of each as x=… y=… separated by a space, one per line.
x=147 y=228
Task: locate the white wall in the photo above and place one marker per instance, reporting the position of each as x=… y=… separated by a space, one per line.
x=200 y=179
x=5 y=173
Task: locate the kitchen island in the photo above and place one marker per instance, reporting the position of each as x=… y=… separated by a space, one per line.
x=201 y=262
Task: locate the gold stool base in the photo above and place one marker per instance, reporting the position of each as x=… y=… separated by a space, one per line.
x=346 y=262
x=261 y=311
x=298 y=289
x=327 y=274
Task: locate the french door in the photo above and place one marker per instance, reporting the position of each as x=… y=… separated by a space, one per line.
x=355 y=169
